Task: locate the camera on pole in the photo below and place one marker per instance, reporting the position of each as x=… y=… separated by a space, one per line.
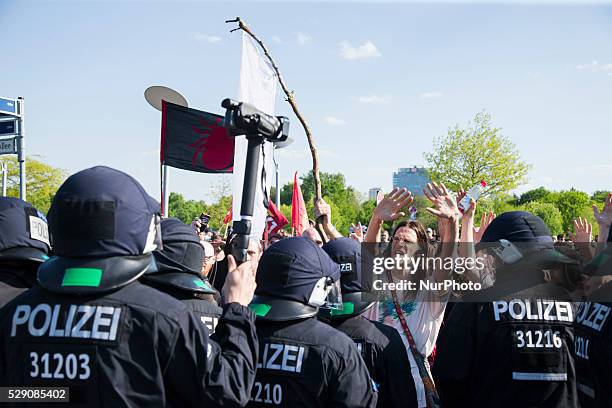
x=242 y=118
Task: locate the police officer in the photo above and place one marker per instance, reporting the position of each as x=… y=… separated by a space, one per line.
x=24 y=245
x=92 y=326
x=593 y=337
x=511 y=344
x=380 y=345
x=179 y=266
x=302 y=361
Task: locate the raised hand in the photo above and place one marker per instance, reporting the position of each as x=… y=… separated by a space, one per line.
x=582 y=231
x=444 y=205
x=357 y=235
x=486 y=220
x=322 y=209
x=240 y=282
x=470 y=212
x=460 y=194
x=604 y=218
x=196 y=224
x=389 y=208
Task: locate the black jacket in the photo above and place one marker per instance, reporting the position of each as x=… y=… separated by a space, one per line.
x=306 y=363
x=593 y=347
x=133 y=347
x=204 y=307
x=513 y=352
x=14 y=282
x=385 y=356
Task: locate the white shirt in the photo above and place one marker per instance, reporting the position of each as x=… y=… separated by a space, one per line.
x=424 y=318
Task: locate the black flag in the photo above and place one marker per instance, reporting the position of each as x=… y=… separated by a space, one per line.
x=195 y=140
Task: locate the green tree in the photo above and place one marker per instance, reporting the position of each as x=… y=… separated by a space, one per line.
x=549 y=213
x=537 y=194
x=188 y=210
x=286 y=193
x=498 y=204
x=184 y=210
x=42 y=180
x=217 y=211
x=479 y=152
x=365 y=211
x=599 y=196
x=343 y=199
x=423 y=216
x=572 y=204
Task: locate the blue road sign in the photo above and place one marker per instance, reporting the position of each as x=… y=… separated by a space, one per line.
x=8 y=106
x=8 y=127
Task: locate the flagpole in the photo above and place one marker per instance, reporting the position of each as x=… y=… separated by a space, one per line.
x=277 y=185
x=165 y=170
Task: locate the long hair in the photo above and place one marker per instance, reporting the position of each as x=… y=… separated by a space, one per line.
x=424 y=248
x=419 y=229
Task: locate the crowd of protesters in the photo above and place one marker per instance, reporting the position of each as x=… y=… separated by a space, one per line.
x=124 y=308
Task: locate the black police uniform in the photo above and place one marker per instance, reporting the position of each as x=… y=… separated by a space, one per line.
x=303 y=362
x=178 y=274
x=24 y=245
x=93 y=327
x=516 y=350
x=593 y=339
x=380 y=346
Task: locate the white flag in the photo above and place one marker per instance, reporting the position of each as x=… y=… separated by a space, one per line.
x=258 y=86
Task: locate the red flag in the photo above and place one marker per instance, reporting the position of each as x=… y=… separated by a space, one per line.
x=228 y=216
x=299 y=217
x=276 y=220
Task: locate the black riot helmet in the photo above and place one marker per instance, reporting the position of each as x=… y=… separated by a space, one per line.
x=294 y=278
x=356 y=287
x=24 y=235
x=179 y=262
x=103 y=228
x=517 y=237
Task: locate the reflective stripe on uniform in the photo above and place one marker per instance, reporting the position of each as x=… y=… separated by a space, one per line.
x=539 y=376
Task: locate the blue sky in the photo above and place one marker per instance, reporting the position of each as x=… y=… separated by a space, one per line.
x=377 y=81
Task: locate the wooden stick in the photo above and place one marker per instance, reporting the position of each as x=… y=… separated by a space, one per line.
x=290 y=98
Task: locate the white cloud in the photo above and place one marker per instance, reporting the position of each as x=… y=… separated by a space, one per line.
x=430 y=95
x=213 y=39
x=365 y=50
x=334 y=121
x=303 y=38
x=277 y=39
x=595 y=66
x=375 y=99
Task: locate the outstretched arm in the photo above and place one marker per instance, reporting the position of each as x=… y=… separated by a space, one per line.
x=323 y=210
x=389 y=209
x=444 y=207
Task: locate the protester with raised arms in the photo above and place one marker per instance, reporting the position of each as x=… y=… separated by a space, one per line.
x=417 y=314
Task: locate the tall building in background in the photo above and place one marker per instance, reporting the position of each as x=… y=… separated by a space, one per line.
x=413 y=178
x=373 y=192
